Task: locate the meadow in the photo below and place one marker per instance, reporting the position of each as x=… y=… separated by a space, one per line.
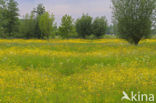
x=75 y=70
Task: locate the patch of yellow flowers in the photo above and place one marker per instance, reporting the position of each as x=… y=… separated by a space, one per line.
x=17 y=84
x=15 y=50
x=62 y=41
x=69 y=41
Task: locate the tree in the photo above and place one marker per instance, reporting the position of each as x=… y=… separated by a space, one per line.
x=115 y=26
x=109 y=29
x=84 y=25
x=46 y=23
x=67 y=26
x=133 y=18
x=12 y=17
x=3 y=19
x=99 y=26
x=39 y=10
x=27 y=26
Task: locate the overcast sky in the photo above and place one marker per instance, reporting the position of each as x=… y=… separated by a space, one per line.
x=75 y=8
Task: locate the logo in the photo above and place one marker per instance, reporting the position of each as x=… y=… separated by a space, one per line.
x=138 y=97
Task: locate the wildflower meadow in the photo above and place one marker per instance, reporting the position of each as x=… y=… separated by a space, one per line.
x=75 y=70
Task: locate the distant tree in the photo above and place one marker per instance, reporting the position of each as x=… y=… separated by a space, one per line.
x=46 y=24
x=27 y=26
x=39 y=10
x=109 y=29
x=133 y=18
x=115 y=26
x=66 y=26
x=1 y=17
x=11 y=15
x=84 y=25
x=99 y=26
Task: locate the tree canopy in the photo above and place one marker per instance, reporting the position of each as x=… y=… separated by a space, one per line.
x=133 y=18
x=66 y=26
x=84 y=25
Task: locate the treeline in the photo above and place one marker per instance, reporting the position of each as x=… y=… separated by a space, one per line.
x=40 y=24
x=133 y=20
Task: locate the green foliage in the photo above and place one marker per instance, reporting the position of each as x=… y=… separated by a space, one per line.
x=3 y=19
x=75 y=71
x=109 y=29
x=39 y=10
x=110 y=36
x=39 y=24
x=112 y=28
x=8 y=18
x=67 y=26
x=115 y=26
x=92 y=37
x=46 y=24
x=27 y=26
x=133 y=18
x=12 y=17
x=84 y=25
x=99 y=26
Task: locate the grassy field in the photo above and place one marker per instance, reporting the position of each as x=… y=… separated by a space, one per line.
x=75 y=71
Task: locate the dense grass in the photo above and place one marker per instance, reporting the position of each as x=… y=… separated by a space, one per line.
x=75 y=71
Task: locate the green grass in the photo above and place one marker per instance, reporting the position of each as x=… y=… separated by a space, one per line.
x=75 y=72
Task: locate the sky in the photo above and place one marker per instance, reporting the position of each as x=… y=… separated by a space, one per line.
x=75 y=8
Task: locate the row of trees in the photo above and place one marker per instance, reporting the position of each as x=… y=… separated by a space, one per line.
x=40 y=24
x=133 y=20
x=43 y=26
